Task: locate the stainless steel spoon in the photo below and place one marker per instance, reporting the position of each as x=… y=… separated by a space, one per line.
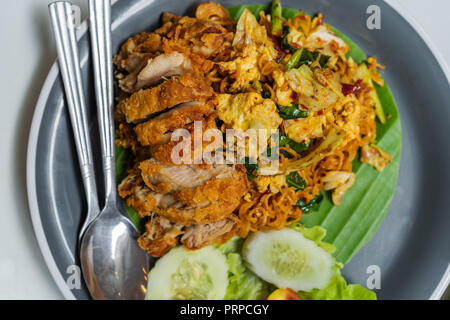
x=69 y=65
x=113 y=265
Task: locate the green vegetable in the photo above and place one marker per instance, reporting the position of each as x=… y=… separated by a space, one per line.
x=323 y=60
x=287 y=259
x=266 y=94
x=251 y=168
x=277 y=19
x=363 y=73
x=307 y=57
x=294 y=145
x=312 y=205
x=189 y=275
x=138 y=222
x=294 y=59
x=243 y=284
x=332 y=141
x=303 y=56
x=295 y=180
x=285 y=44
x=291 y=112
x=122 y=155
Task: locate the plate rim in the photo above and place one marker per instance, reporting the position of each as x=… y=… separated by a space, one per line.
x=36 y=122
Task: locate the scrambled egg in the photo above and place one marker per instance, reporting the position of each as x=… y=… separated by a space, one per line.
x=248 y=111
x=283 y=92
x=272 y=183
x=244 y=68
x=301 y=130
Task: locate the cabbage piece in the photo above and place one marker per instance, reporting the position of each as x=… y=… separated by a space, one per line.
x=317 y=90
x=332 y=141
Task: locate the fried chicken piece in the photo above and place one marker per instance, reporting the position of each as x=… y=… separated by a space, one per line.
x=136 y=51
x=140 y=197
x=194 y=194
x=161 y=67
x=374 y=156
x=207 y=38
x=168 y=178
x=160 y=236
x=152 y=132
x=215 y=200
x=201 y=235
x=142 y=104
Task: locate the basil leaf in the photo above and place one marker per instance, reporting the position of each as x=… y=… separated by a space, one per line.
x=266 y=94
x=307 y=57
x=294 y=145
x=295 y=180
x=251 y=168
x=291 y=112
x=323 y=60
x=312 y=205
x=286 y=45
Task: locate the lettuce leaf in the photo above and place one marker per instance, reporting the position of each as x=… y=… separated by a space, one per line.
x=337 y=289
x=243 y=284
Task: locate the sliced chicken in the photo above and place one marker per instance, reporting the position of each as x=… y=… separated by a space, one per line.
x=160 y=236
x=153 y=131
x=156 y=70
x=163 y=178
x=136 y=51
x=188 y=149
x=193 y=194
x=143 y=104
x=213 y=201
x=200 y=235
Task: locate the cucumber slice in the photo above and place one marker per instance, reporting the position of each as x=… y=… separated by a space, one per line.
x=287 y=259
x=189 y=275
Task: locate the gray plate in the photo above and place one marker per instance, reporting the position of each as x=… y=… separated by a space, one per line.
x=412 y=246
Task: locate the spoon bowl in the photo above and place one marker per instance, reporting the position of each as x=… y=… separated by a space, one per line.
x=114 y=266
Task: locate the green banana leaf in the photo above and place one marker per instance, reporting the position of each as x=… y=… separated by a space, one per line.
x=353 y=223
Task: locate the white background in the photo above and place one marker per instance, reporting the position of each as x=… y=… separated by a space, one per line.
x=26 y=56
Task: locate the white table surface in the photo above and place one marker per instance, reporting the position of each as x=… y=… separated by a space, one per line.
x=27 y=54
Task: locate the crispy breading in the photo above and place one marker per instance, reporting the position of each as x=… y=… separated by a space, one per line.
x=160 y=236
x=206 y=151
x=142 y=104
x=215 y=200
x=151 y=132
x=207 y=38
x=137 y=49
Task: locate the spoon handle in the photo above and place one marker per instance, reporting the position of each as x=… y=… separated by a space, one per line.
x=100 y=31
x=69 y=64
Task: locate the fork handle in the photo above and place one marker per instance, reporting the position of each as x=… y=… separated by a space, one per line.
x=100 y=31
x=69 y=64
